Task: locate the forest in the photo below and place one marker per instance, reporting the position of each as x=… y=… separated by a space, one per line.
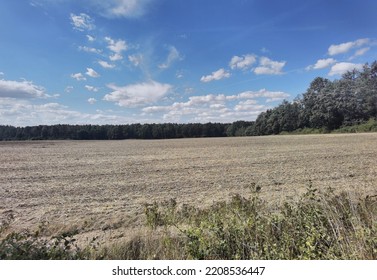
x=324 y=107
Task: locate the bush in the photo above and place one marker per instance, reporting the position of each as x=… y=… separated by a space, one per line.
x=29 y=246
x=369 y=126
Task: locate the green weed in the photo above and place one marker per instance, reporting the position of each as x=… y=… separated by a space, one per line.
x=318 y=225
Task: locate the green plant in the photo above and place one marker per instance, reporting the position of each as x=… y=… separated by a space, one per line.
x=319 y=225
x=29 y=246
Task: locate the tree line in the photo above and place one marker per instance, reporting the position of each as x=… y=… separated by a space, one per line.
x=326 y=105
x=113 y=132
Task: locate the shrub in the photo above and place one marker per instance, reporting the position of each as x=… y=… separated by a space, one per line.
x=29 y=246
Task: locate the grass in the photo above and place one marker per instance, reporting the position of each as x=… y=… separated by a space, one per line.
x=318 y=225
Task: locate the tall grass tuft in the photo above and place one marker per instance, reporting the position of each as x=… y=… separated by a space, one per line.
x=318 y=225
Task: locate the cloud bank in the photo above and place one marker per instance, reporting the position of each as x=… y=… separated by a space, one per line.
x=21 y=89
x=135 y=95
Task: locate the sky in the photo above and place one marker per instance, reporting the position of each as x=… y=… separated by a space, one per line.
x=178 y=61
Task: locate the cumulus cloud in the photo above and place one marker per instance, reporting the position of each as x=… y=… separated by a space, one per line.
x=218 y=107
x=136 y=59
x=172 y=57
x=90 y=50
x=21 y=90
x=322 y=63
x=116 y=57
x=269 y=67
x=105 y=64
x=270 y=95
x=78 y=77
x=91 y=88
x=92 y=101
x=117 y=46
x=92 y=73
x=249 y=105
x=82 y=22
x=216 y=75
x=137 y=94
x=343 y=67
x=242 y=62
x=122 y=8
x=22 y=113
x=346 y=47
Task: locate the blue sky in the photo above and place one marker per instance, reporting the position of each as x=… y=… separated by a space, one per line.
x=156 y=61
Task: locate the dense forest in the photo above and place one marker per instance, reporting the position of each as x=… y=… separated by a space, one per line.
x=325 y=106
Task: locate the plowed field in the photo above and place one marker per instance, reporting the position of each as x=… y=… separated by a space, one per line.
x=100 y=187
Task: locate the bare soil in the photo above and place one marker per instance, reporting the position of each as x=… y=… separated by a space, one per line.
x=100 y=187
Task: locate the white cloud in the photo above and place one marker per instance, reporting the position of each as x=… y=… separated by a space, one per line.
x=91 y=88
x=136 y=59
x=217 y=107
x=117 y=47
x=122 y=8
x=90 y=38
x=137 y=94
x=78 y=77
x=206 y=99
x=271 y=95
x=92 y=101
x=21 y=89
x=216 y=75
x=269 y=67
x=156 y=109
x=172 y=57
x=82 y=22
x=179 y=75
x=69 y=89
x=346 y=47
x=90 y=50
x=18 y=112
x=249 y=105
x=360 y=52
x=116 y=57
x=92 y=73
x=322 y=63
x=242 y=62
x=105 y=64
x=343 y=67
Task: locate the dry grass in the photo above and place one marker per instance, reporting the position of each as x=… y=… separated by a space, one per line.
x=100 y=187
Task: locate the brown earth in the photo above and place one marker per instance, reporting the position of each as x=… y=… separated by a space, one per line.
x=100 y=187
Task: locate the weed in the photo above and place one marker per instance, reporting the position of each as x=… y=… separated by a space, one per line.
x=319 y=225
x=29 y=246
